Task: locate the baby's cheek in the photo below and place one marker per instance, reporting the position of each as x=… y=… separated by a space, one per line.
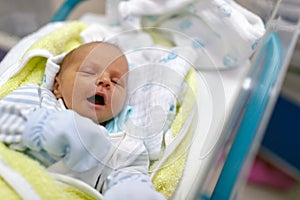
x=68 y=97
x=118 y=99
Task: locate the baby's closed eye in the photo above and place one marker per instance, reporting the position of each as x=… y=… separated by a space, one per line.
x=87 y=72
x=116 y=81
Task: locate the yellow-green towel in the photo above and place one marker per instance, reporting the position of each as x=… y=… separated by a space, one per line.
x=168 y=176
x=57 y=42
x=38 y=178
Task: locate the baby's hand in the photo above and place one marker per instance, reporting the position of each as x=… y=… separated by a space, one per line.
x=81 y=143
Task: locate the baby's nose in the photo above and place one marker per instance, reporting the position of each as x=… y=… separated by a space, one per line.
x=104 y=81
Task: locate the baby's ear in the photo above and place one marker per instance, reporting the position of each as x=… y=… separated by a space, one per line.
x=56 y=88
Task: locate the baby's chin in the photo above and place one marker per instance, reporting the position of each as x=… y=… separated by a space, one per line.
x=99 y=118
x=102 y=120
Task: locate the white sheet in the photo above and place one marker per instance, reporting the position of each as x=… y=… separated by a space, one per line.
x=222 y=29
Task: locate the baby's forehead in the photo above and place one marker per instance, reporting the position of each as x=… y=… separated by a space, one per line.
x=93 y=53
x=98 y=49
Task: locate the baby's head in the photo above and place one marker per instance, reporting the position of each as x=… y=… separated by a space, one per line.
x=92 y=81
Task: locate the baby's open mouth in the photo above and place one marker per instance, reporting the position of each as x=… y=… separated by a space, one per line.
x=97 y=99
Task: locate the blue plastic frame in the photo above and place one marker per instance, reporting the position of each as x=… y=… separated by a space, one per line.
x=65 y=9
x=271 y=51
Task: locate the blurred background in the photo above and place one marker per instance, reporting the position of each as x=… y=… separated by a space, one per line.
x=275 y=173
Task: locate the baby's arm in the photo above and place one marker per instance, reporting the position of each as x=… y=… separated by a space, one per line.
x=80 y=142
x=14 y=109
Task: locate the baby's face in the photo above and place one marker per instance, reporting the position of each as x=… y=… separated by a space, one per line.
x=93 y=81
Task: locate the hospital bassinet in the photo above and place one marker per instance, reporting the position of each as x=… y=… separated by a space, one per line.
x=229 y=134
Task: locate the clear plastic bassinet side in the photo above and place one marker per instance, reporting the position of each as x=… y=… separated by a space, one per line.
x=259 y=90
